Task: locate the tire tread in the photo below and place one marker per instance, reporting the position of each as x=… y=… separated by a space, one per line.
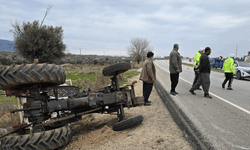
x=128 y=123
x=51 y=139
x=116 y=69
x=16 y=76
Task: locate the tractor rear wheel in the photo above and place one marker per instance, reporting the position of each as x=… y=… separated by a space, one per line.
x=46 y=140
x=17 y=77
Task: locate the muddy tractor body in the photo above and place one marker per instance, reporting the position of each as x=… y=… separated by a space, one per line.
x=47 y=107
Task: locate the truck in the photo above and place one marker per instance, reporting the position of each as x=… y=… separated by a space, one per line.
x=47 y=109
x=216 y=62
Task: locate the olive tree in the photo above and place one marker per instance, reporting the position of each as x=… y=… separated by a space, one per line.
x=137 y=46
x=39 y=41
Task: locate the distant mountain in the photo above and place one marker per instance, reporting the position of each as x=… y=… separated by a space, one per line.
x=7 y=45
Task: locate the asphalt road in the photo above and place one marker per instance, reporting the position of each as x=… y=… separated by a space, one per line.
x=224 y=120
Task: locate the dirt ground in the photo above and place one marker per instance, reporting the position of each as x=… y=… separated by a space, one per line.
x=157 y=131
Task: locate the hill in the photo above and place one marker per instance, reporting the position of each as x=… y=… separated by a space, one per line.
x=7 y=45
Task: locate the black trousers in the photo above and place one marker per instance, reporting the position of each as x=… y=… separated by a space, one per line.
x=147 y=89
x=204 y=81
x=229 y=77
x=174 y=78
x=195 y=78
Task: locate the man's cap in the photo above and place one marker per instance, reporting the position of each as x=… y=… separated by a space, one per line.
x=149 y=54
x=201 y=49
x=231 y=55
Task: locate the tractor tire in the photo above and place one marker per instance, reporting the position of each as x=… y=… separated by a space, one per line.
x=17 y=77
x=46 y=140
x=116 y=69
x=128 y=123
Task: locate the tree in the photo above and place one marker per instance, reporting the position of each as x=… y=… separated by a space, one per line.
x=42 y=42
x=137 y=46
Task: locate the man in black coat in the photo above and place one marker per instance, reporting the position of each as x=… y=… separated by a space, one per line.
x=204 y=70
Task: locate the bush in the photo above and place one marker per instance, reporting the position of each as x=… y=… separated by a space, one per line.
x=8 y=58
x=5 y=61
x=42 y=42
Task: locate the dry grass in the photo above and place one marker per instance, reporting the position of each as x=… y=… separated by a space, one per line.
x=100 y=81
x=134 y=65
x=86 y=67
x=7 y=119
x=91 y=67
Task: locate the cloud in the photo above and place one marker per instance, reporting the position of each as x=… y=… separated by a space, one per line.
x=98 y=26
x=223 y=21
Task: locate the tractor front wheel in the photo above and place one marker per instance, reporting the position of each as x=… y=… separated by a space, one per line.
x=116 y=69
x=128 y=123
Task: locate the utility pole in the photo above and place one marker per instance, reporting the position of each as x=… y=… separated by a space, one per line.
x=80 y=51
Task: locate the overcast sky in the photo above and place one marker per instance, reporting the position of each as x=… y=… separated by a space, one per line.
x=106 y=26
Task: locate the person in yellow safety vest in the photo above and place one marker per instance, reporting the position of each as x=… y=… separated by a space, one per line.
x=196 y=64
x=229 y=69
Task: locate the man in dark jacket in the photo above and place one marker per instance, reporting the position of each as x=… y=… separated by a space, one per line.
x=204 y=77
x=175 y=67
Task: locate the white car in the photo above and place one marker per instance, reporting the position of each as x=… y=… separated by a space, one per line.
x=242 y=69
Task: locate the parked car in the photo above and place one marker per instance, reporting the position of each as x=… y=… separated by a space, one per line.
x=242 y=69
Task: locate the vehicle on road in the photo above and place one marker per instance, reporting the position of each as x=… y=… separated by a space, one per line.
x=216 y=62
x=47 y=108
x=242 y=69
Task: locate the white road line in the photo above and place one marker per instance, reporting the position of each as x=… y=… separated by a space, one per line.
x=230 y=103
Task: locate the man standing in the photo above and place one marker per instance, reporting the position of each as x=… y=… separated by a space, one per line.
x=175 y=67
x=196 y=65
x=229 y=69
x=204 y=77
x=148 y=76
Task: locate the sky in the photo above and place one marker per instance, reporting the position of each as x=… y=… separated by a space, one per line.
x=105 y=27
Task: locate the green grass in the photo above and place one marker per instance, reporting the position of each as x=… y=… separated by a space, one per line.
x=74 y=76
x=130 y=74
x=102 y=67
x=214 y=69
x=124 y=83
x=187 y=64
x=73 y=70
x=81 y=70
x=4 y=98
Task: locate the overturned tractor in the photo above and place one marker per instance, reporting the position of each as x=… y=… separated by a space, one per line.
x=46 y=108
